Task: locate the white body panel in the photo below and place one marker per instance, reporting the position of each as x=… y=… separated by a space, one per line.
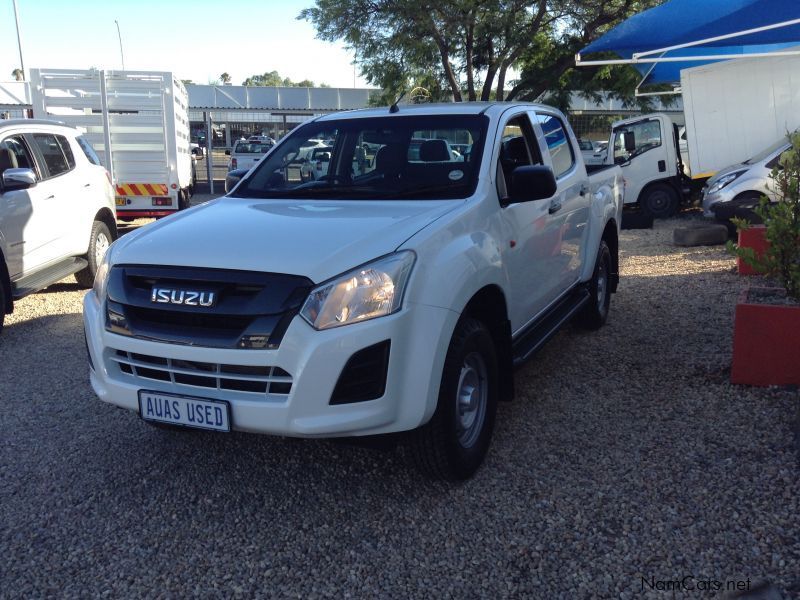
x=534 y=255
x=143 y=115
x=736 y=108
x=52 y=220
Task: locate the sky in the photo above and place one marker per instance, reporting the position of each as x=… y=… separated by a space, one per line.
x=197 y=39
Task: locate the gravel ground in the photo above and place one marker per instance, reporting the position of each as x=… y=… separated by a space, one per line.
x=627 y=461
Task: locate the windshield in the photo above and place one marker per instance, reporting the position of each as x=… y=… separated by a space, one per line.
x=765 y=153
x=377 y=158
x=251 y=148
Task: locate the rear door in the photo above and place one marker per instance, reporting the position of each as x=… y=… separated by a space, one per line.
x=569 y=212
x=63 y=191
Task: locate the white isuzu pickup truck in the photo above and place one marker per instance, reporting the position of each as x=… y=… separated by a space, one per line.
x=396 y=297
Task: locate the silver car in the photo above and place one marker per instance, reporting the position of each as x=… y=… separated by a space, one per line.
x=736 y=190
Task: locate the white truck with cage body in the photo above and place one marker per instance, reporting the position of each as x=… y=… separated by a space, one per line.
x=141 y=117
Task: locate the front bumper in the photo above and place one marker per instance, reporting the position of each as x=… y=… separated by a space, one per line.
x=711 y=200
x=313 y=359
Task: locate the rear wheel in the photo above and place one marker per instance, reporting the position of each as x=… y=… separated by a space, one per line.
x=595 y=313
x=660 y=200
x=453 y=444
x=183 y=200
x=99 y=242
x=2 y=304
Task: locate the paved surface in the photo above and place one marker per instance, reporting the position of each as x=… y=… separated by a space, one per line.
x=627 y=462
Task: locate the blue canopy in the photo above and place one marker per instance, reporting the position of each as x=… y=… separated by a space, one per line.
x=684 y=21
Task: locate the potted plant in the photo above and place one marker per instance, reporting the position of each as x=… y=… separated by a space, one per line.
x=766 y=339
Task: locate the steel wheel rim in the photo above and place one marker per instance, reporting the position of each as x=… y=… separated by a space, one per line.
x=602 y=285
x=101 y=244
x=471 y=399
x=659 y=201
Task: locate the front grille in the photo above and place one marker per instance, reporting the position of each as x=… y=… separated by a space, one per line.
x=261 y=380
x=252 y=310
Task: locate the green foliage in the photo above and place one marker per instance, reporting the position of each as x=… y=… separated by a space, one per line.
x=467 y=49
x=781 y=260
x=274 y=79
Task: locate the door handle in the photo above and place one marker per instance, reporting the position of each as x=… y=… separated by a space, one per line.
x=87 y=185
x=584 y=190
x=554 y=207
x=50 y=197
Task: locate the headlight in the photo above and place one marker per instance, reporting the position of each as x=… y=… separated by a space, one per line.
x=373 y=290
x=723 y=181
x=101 y=278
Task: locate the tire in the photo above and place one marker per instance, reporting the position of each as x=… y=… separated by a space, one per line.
x=183 y=200
x=660 y=200
x=594 y=314
x=453 y=444
x=99 y=241
x=2 y=303
x=711 y=234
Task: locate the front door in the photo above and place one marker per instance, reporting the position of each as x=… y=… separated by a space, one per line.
x=533 y=234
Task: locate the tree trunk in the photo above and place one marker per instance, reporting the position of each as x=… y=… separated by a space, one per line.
x=469 y=49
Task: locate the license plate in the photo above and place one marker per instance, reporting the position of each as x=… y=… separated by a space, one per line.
x=198 y=413
x=121 y=201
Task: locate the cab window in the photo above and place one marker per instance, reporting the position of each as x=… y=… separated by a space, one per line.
x=646 y=136
x=14 y=154
x=558 y=143
x=67 y=150
x=88 y=150
x=52 y=154
x=517 y=149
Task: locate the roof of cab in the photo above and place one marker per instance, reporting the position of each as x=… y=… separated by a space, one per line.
x=29 y=122
x=443 y=108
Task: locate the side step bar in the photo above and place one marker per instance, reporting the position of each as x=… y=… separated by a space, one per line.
x=41 y=279
x=532 y=339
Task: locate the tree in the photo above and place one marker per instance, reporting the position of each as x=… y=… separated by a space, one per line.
x=225 y=78
x=468 y=46
x=274 y=79
x=18 y=75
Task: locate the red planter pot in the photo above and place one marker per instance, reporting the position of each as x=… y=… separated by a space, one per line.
x=754 y=237
x=766 y=343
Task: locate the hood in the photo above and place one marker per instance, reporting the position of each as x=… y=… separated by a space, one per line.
x=722 y=172
x=317 y=239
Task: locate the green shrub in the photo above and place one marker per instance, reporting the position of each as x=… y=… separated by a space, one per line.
x=781 y=261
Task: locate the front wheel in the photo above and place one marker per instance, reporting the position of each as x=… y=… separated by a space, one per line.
x=99 y=242
x=595 y=313
x=453 y=444
x=660 y=200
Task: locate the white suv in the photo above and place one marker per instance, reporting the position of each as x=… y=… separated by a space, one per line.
x=56 y=208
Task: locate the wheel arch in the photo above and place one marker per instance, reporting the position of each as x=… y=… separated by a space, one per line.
x=5 y=282
x=670 y=182
x=104 y=215
x=489 y=306
x=611 y=238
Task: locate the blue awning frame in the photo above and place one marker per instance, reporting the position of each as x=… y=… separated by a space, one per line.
x=698 y=52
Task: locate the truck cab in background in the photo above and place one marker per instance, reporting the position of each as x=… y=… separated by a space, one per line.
x=647 y=149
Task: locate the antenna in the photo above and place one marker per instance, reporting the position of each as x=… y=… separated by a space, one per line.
x=119 y=35
x=394 y=108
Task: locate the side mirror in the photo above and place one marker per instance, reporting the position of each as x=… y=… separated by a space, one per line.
x=227 y=152
x=532 y=183
x=18 y=179
x=630 y=142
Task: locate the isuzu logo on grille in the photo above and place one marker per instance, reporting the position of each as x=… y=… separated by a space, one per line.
x=183 y=297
